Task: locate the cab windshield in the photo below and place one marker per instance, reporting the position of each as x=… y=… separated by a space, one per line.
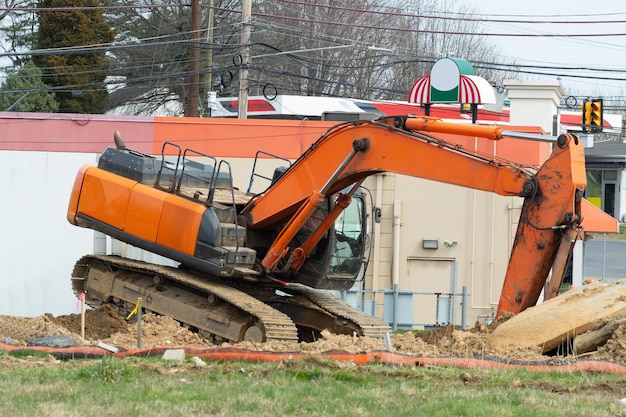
x=348 y=241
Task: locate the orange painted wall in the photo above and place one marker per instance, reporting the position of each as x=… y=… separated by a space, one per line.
x=238 y=138
x=87 y=133
x=222 y=138
x=287 y=138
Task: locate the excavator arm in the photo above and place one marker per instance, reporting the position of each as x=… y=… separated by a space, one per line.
x=548 y=225
x=349 y=153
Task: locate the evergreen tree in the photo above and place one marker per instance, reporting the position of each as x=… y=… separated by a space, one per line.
x=25 y=91
x=78 y=74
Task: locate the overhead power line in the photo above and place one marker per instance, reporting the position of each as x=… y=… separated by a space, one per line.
x=399 y=59
x=460 y=17
x=88 y=8
x=450 y=15
x=441 y=32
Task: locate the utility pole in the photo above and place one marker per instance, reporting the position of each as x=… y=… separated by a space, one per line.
x=209 y=58
x=194 y=62
x=246 y=14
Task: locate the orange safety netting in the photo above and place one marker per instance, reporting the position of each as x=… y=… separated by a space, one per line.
x=365 y=358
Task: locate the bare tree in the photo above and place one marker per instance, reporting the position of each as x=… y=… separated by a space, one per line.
x=18 y=28
x=152 y=59
x=366 y=50
x=372 y=49
x=337 y=45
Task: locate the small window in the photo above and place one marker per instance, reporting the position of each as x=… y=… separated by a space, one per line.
x=594 y=184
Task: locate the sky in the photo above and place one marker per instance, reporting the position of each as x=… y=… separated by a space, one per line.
x=596 y=52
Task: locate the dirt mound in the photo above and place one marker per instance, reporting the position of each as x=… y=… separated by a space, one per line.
x=100 y=326
x=615 y=348
x=19 y=330
x=106 y=326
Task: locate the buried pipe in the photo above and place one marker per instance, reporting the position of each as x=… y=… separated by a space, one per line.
x=375 y=357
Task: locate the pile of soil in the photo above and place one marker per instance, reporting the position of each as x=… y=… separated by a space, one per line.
x=103 y=325
x=106 y=326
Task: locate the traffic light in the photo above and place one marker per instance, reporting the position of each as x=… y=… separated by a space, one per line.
x=592 y=116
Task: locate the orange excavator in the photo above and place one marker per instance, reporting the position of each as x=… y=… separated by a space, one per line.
x=257 y=267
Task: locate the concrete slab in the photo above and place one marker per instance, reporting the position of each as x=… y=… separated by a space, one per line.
x=553 y=322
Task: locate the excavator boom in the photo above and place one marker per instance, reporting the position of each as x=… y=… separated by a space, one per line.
x=362 y=149
x=349 y=153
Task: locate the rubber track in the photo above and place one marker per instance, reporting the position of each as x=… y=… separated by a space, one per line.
x=277 y=325
x=370 y=325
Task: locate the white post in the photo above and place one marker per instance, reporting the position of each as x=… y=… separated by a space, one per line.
x=82 y=316
x=246 y=14
x=577 y=264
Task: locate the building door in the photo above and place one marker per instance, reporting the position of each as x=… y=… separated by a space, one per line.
x=609 y=198
x=434 y=282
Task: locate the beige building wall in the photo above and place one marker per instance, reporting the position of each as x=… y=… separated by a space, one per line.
x=474 y=231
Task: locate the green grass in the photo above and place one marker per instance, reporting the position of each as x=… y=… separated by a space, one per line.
x=25 y=353
x=142 y=387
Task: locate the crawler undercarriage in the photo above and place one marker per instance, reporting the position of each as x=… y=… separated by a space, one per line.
x=219 y=310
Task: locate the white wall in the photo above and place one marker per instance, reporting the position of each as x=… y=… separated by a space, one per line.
x=39 y=246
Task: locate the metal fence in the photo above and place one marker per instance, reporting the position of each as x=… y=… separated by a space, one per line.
x=399 y=306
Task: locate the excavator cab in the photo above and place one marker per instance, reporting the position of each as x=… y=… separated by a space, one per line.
x=348 y=244
x=339 y=256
